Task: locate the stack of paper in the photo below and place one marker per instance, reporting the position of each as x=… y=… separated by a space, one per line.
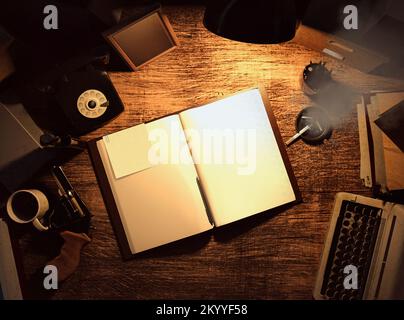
x=9 y=279
x=382 y=161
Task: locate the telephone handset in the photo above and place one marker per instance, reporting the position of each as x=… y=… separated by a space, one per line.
x=75 y=98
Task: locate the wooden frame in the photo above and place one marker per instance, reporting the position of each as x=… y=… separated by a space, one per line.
x=165 y=24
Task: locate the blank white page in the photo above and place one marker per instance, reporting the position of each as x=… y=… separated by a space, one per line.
x=160 y=204
x=231 y=195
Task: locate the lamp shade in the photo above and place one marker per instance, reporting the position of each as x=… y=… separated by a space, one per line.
x=253 y=21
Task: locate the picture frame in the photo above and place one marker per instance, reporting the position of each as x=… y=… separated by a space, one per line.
x=153 y=29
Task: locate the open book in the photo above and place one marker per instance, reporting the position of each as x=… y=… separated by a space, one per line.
x=186 y=173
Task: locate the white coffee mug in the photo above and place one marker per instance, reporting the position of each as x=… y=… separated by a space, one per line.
x=29 y=205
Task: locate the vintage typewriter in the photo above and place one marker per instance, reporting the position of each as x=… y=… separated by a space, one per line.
x=364 y=245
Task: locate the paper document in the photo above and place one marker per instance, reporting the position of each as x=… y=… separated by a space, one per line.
x=128 y=150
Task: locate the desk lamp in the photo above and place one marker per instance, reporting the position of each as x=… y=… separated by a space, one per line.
x=254 y=21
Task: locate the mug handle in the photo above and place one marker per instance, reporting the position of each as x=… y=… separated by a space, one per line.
x=37 y=224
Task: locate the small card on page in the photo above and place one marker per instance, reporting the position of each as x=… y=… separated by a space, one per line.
x=128 y=150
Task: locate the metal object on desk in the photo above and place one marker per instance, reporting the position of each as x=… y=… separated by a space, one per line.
x=313 y=126
x=315 y=78
x=77 y=97
x=263 y=22
x=68 y=216
x=366 y=237
x=26 y=148
x=67 y=212
x=71 y=219
x=73 y=225
x=75 y=211
x=65 y=141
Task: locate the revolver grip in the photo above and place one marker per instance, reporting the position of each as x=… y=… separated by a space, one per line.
x=69 y=258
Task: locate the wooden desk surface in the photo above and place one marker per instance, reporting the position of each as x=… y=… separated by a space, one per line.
x=267 y=257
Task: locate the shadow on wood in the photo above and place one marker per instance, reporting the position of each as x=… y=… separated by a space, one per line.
x=228 y=232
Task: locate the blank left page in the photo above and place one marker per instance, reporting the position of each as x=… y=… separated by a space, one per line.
x=160 y=204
